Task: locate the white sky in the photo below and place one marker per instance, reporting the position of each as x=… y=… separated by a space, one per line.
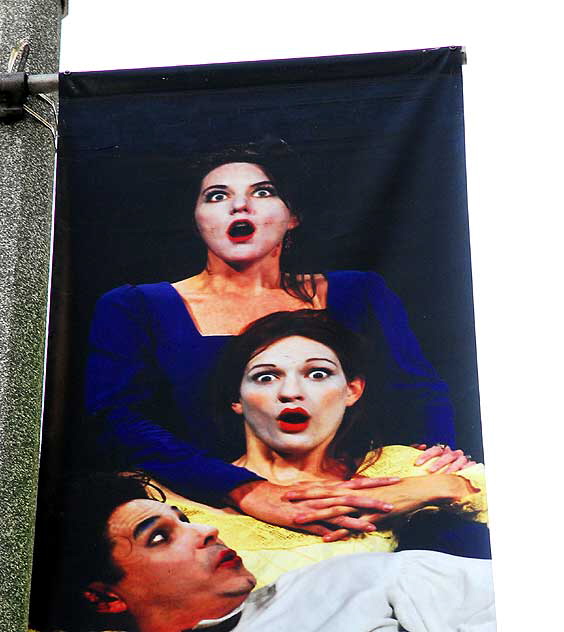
x=513 y=112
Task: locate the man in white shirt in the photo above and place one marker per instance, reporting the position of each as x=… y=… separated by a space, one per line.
x=160 y=573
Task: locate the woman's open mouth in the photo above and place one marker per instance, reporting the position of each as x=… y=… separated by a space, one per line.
x=241 y=230
x=293 y=420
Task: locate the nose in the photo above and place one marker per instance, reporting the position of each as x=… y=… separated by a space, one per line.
x=206 y=534
x=289 y=389
x=239 y=204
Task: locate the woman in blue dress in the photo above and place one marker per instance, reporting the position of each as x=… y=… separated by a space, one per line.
x=153 y=347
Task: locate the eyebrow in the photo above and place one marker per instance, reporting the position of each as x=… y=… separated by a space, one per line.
x=323 y=359
x=258 y=184
x=224 y=186
x=215 y=186
x=144 y=525
x=256 y=366
x=149 y=522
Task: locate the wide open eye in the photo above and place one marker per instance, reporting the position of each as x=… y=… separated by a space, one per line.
x=264 y=378
x=215 y=196
x=158 y=537
x=319 y=374
x=264 y=191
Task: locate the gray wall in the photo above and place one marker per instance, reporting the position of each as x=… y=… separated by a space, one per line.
x=26 y=184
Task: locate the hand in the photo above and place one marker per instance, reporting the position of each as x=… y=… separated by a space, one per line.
x=454 y=459
x=408 y=495
x=327 y=505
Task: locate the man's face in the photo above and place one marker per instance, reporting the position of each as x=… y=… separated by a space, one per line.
x=172 y=564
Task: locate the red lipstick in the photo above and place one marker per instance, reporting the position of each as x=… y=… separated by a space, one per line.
x=241 y=230
x=293 y=420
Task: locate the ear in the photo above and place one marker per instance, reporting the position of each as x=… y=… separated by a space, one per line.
x=103 y=599
x=294 y=222
x=355 y=389
x=237 y=407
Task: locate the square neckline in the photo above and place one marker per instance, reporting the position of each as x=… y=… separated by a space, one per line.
x=192 y=322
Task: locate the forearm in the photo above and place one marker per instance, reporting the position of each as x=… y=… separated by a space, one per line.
x=234 y=496
x=448 y=488
x=459 y=493
x=143 y=444
x=417 y=493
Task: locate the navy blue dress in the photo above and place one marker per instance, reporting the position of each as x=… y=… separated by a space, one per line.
x=148 y=370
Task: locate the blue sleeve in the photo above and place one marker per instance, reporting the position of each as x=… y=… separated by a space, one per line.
x=122 y=385
x=416 y=376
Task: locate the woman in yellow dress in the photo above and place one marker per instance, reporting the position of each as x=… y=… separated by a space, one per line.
x=296 y=380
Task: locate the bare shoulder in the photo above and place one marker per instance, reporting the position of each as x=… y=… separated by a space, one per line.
x=188 y=287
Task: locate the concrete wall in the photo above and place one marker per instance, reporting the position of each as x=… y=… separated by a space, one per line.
x=26 y=185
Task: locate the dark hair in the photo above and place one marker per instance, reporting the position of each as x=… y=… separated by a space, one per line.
x=85 y=552
x=286 y=170
x=354 y=438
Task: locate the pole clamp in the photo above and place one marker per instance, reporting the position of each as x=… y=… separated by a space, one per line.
x=16 y=86
x=14 y=91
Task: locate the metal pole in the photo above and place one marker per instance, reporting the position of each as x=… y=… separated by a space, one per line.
x=43 y=83
x=26 y=186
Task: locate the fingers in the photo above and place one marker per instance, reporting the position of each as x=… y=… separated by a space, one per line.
x=338 y=534
x=460 y=463
x=431 y=453
x=323 y=514
x=323 y=531
x=450 y=456
x=353 y=501
x=363 y=482
x=310 y=494
x=349 y=505
x=315 y=490
x=323 y=503
x=341 y=532
x=353 y=524
x=453 y=460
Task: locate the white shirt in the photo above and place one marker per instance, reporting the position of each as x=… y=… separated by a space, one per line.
x=413 y=591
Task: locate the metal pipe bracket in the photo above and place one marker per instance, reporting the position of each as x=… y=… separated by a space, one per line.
x=14 y=91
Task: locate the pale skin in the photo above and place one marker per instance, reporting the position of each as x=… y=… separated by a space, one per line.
x=300 y=374
x=303 y=377
x=241 y=283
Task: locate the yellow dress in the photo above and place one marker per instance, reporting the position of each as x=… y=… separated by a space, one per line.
x=268 y=550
